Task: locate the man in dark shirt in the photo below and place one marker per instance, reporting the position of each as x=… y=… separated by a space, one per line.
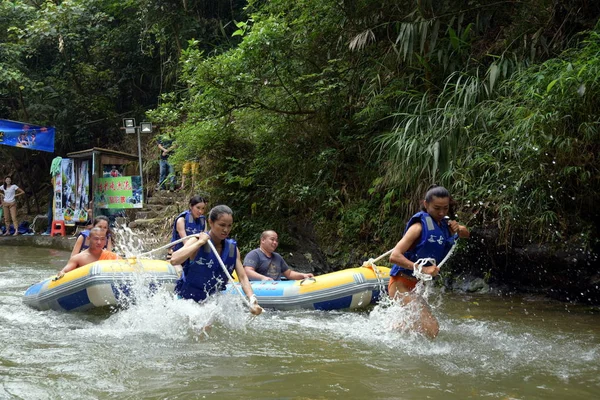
x=264 y=264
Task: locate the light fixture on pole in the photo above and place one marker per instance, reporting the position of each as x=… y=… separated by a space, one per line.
x=129 y=125
x=146 y=127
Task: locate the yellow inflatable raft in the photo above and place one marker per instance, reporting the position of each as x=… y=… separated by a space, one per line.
x=352 y=288
x=99 y=284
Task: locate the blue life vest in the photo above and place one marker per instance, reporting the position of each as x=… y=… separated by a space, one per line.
x=435 y=242
x=86 y=235
x=203 y=275
x=191 y=226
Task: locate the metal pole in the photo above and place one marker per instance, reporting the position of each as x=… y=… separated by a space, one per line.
x=93 y=191
x=140 y=156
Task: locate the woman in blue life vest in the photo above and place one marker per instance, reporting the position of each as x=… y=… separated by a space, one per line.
x=428 y=234
x=83 y=241
x=189 y=222
x=202 y=273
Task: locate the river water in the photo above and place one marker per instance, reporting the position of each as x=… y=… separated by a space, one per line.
x=489 y=347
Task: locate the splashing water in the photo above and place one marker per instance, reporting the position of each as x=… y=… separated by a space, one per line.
x=148 y=307
x=133 y=243
x=158 y=347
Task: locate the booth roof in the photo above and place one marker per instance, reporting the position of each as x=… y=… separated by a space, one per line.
x=103 y=152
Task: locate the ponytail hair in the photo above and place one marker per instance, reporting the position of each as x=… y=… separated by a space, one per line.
x=219 y=210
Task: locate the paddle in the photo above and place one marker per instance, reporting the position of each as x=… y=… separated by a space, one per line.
x=246 y=300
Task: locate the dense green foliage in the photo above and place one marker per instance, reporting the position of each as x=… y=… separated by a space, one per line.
x=83 y=65
x=338 y=115
x=330 y=118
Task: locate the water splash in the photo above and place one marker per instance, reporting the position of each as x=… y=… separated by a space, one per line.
x=133 y=243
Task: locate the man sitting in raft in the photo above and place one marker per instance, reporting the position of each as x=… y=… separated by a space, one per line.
x=264 y=264
x=94 y=253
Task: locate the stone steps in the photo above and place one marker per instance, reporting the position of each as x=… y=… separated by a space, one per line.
x=166 y=198
x=162 y=204
x=159 y=210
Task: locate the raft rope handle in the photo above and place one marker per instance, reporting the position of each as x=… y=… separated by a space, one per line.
x=252 y=298
x=166 y=246
x=309 y=280
x=421 y=262
x=370 y=263
x=418 y=268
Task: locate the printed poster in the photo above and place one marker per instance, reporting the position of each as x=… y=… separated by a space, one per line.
x=64 y=192
x=119 y=192
x=83 y=190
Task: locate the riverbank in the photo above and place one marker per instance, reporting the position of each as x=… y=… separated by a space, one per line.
x=54 y=242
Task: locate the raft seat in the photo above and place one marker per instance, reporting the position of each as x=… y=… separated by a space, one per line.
x=58 y=227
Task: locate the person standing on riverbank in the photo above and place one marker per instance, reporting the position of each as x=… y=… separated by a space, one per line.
x=203 y=274
x=264 y=264
x=9 y=204
x=166 y=145
x=428 y=234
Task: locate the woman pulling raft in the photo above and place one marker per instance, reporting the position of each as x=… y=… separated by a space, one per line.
x=428 y=234
x=202 y=274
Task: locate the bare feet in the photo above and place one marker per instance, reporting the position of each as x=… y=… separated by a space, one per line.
x=16 y=234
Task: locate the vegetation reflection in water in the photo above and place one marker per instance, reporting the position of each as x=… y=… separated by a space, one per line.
x=489 y=346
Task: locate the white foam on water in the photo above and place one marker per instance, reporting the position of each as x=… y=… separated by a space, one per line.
x=164 y=315
x=464 y=346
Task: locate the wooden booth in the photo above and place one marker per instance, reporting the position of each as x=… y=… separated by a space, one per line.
x=97 y=181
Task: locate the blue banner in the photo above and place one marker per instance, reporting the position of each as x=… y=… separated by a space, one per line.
x=27 y=136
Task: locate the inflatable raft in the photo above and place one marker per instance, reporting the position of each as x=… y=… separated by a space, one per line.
x=349 y=289
x=99 y=284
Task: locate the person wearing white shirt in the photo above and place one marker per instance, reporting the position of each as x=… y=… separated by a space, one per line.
x=9 y=204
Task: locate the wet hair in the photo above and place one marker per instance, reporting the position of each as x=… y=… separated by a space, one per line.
x=197 y=199
x=102 y=218
x=219 y=210
x=436 y=191
x=6 y=187
x=441 y=193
